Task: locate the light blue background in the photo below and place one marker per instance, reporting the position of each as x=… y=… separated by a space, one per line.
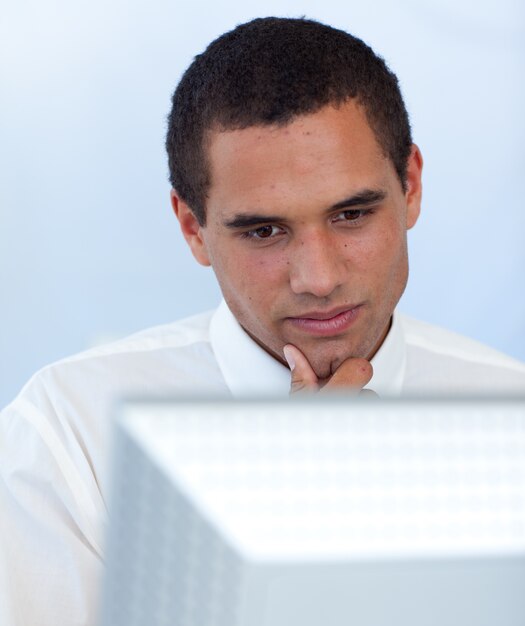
x=89 y=247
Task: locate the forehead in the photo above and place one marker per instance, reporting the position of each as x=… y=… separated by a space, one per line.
x=320 y=156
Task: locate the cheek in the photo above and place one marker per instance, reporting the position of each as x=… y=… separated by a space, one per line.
x=252 y=276
x=368 y=250
x=396 y=241
x=380 y=256
x=394 y=263
x=265 y=278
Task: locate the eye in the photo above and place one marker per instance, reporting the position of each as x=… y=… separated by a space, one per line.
x=263 y=232
x=352 y=215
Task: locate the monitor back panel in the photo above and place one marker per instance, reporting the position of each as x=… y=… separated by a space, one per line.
x=318 y=514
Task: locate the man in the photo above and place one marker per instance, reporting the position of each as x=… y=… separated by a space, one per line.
x=295 y=177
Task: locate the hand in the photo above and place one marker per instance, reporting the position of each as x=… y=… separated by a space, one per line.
x=352 y=374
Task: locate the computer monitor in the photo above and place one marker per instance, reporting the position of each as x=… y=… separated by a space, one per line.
x=317 y=512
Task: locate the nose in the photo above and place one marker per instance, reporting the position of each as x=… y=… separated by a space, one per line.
x=316 y=265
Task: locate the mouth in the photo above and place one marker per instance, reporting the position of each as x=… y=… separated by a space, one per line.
x=326 y=323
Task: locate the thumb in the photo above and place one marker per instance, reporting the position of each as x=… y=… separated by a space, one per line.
x=354 y=373
x=303 y=376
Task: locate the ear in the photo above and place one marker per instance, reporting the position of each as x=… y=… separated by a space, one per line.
x=191 y=229
x=414 y=186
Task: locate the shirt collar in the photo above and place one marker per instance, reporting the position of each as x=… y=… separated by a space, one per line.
x=389 y=362
x=247 y=369
x=250 y=371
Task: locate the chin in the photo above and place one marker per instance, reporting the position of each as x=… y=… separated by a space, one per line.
x=326 y=356
x=325 y=361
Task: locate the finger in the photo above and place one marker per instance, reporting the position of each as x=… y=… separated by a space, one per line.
x=303 y=376
x=354 y=373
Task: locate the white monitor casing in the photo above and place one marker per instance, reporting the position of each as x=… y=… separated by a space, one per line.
x=317 y=512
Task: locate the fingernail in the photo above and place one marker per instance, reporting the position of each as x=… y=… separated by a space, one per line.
x=289 y=358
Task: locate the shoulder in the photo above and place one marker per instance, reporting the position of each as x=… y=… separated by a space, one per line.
x=448 y=343
x=148 y=360
x=184 y=332
x=443 y=360
x=75 y=398
x=152 y=360
x=54 y=448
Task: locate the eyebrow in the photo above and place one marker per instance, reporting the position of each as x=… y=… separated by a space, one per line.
x=364 y=198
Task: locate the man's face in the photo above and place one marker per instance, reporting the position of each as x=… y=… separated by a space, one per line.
x=306 y=232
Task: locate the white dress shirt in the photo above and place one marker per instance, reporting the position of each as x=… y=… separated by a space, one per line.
x=54 y=437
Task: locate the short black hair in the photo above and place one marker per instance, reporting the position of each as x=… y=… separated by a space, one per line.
x=268 y=71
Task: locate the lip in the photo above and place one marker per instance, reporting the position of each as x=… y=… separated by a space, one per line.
x=326 y=323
